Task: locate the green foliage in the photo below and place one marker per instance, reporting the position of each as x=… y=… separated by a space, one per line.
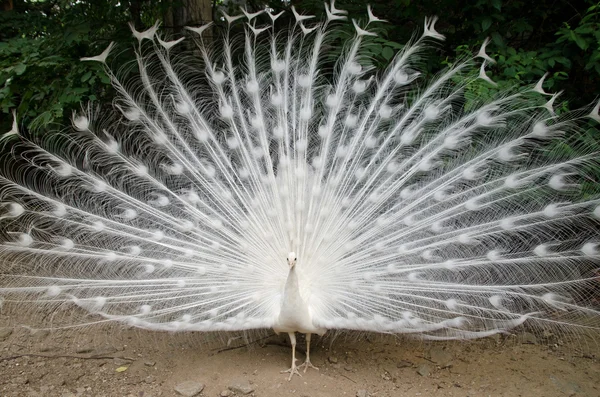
x=38 y=75
x=587 y=37
x=570 y=55
x=41 y=42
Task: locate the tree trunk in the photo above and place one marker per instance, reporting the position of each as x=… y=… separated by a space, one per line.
x=7 y=5
x=189 y=13
x=135 y=9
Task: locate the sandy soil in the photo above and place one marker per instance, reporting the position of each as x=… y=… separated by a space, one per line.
x=116 y=361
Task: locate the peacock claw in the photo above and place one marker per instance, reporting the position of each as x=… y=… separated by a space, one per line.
x=292 y=371
x=307 y=364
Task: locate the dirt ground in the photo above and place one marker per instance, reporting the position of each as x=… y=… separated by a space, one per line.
x=118 y=361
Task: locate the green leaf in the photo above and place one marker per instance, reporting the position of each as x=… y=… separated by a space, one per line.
x=86 y=76
x=486 y=23
x=497 y=39
x=510 y=72
x=387 y=53
x=20 y=69
x=581 y=42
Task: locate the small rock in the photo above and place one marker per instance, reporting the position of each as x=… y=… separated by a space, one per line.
x=20 y=380
x=105 y=351
x=149 y=363
x=226 y=393
x=150 y=379
x=121 y=362
x=424 y=370
x=404 y=364
x=241 y=387
x=189 y=388
x=5 y=333
x=84 y=350
x=348 y=368
x=333 y=360
x=567 y=387
x=362 y=393
x=440 y=357
x=45 y=348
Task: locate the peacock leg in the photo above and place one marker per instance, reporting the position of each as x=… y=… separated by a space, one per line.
x=293 y=370
x=307 y=363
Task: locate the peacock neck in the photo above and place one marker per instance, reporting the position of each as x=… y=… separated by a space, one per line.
x=292 y=281
x=291 y=294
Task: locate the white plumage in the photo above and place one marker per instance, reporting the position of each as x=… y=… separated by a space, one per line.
x=404 y=209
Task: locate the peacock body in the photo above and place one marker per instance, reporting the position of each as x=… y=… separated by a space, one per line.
x=257 y=193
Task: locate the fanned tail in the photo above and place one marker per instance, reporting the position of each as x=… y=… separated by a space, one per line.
x=411 y=210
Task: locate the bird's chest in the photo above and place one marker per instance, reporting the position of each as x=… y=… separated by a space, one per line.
x=294 y=315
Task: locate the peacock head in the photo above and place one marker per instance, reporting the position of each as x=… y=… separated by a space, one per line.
x=291 y=259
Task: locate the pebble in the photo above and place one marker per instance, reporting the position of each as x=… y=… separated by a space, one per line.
x=226 y=393
x=404 y=364
x=5 y=333
x=20 y=380
x=105 y=351
x=189 y=388
x=241 y=387
x=441 y=357
x=424 y=370
x=84 y=350
x=120 y=361
x=567 y=387
x=362 y=393
x=333 y=360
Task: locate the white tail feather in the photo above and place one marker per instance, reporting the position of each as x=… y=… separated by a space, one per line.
x=406 y=215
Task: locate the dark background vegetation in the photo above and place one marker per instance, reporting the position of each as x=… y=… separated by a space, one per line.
x=41 y=42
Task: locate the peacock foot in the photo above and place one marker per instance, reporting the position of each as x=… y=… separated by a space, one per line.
x=307 y=364
x=292 y=371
